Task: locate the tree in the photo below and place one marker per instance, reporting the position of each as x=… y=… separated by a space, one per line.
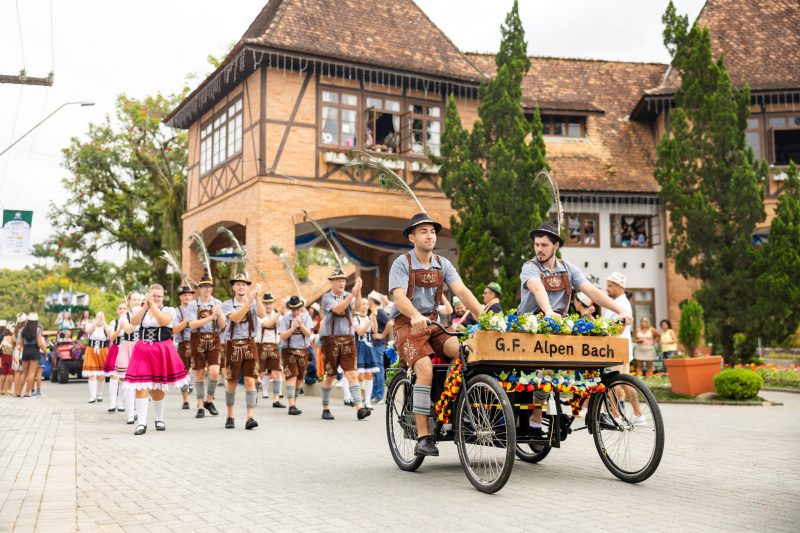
x=711 y=185
x=127 y=189
x=488 y=173
x=777 y=287
x=690 y=328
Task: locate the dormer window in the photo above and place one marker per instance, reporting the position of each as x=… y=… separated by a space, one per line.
x=564 y=125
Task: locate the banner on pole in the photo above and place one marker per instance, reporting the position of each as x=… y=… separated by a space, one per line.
x=16 y=232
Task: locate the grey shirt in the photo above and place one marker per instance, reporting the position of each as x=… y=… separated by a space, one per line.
x=335 y=324
x=424 y=298
x=197 y=305
x=240 y=330
x=558 y=299
x=296 y=340
x=182 y=313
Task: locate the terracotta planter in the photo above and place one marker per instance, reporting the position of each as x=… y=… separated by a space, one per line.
x=693 y=376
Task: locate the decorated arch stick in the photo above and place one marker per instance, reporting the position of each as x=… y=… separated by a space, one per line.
x=283 y=257
x=173 y=262
x=387 y=178
x=545 y=177
x=238 y=249
x=319 y=229
x=117 y=283
x=199 y=247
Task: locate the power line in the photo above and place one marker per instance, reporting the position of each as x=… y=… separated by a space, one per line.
x=11 y=137
x=19 y=27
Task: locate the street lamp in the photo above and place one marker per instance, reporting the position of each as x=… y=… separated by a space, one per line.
x=82 y=104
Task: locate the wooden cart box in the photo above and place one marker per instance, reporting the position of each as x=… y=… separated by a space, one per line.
x=556 y=351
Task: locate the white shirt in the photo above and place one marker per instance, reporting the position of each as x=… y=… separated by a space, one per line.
x=98 y=334
x=149 y=321
x=264 y=334
x=624 y=304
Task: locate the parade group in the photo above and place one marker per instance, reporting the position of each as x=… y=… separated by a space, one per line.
x=150 y=348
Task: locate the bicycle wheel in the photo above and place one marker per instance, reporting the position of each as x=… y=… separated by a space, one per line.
x=533 y=453
x=485 y=434
x=401 y=427
x=630 y=445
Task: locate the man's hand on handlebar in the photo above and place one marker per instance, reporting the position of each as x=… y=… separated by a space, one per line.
x=626 y=320
x=419 y=322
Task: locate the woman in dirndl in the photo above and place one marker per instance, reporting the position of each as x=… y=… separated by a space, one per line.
x=367 y=363
x=645 y=346
x=129 y=335
x=95 y=356
x=155 y=365
x=110 y=366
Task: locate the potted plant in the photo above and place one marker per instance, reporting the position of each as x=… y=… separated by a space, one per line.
x=691 y=375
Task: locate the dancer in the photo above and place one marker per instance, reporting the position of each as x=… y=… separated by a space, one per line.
x=95 y=356
x=269 y=352
x=130 y=334
x=155 y=365
x=367 y=364
x=32 y=342
x=243 y=312
x=294 y=330
x=182 y=336
x=109 y=366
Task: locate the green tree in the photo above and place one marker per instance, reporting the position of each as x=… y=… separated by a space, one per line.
x=488 y=173
x=777 y=287
x=711 y=186
x=127 y=190
x=690 y=328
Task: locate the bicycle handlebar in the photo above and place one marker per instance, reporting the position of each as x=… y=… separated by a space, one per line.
x=441 y=327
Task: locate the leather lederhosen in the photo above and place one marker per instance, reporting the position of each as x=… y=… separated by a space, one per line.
x=556 y=282
x=205 y=341
x=339 y=350
x=241 y=353
x=412 y=347
x=269 y=352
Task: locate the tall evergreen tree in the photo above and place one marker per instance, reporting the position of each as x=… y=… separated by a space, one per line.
x=488 y=173
x=777 y=313
x=711 y=186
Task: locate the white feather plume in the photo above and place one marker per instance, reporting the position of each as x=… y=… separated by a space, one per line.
x=319 y=229
x=283 y=257
x=545 y=177
x=199 y=248
x=387 y=178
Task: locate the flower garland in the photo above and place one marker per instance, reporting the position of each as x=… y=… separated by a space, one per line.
x=581 y=384
x=392 y=355
x=540 y=324
x=452 y=385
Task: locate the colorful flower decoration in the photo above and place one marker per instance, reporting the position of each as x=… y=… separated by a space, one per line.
x=539 y=324
x=581 y=384
x=452 y=385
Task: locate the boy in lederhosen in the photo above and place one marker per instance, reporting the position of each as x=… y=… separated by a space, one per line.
x=269 y=351
x=181 y=335
x=294 y=329
x=546 y=287
x=416 y=280
x=338 y=343
x=241 y=357
x=206 y=321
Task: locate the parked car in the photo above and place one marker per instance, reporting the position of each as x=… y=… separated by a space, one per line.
x=67 y=356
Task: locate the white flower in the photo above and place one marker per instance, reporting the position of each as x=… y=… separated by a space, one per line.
x=498 y=322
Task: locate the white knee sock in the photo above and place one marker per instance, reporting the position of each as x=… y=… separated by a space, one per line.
x=368 y=392
x=99 y=381
x=130 y=404
x=141 y=410
x=113 y=386
x=92 y=388
x=346 y=389
x=158 y=409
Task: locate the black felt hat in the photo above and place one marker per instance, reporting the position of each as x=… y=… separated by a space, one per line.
x=295 y=302
x=337 y=273
x=267 y=298
x=240 y=276
x=420 y=218
x=205 y=281
x=185 y=289
x=549 y=229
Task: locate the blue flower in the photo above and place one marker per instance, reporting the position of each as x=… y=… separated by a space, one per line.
x=582 y=327
x=473 y=328
x=549 y=325
x=512 y=320
x=391 y=353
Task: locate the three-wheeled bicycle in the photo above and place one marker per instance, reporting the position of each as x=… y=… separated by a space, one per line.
x=488 y=418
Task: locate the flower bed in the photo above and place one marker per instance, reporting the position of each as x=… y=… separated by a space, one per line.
x=777 y=376
x=539 y=324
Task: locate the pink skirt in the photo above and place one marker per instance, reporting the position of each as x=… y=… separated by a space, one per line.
x=155 y=365
x=123 y=357
x=110 y=366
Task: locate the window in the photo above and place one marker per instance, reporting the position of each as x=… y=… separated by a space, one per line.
x=382 y=129
x=339 y=112
x=221 y=137
x=424 y=130
x=631 y=231
x=784 y=134
x=582 y=229
x=643 y=303
x=752 y=136
x=563 y=125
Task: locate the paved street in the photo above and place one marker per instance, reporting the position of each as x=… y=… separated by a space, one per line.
x=66 y=465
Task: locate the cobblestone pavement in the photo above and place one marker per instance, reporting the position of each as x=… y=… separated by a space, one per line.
x=66 y=465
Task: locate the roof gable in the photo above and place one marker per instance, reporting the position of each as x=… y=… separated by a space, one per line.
x=374 y=32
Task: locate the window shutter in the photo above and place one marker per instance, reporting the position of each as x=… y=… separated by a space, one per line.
x=655 y=230
x=405 y=132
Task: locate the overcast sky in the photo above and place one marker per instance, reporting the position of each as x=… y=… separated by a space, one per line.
x=99 y=49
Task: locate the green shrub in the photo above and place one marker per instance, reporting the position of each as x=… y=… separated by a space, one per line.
x=738 y=384
x=690 y=328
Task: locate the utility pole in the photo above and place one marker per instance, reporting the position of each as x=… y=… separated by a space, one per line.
x=23 y=79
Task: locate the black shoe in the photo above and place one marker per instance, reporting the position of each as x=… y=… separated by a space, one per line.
x=112 y=410
x=136 y=417
x=200 y=413
x=140 y=430
x=606 y=422
x=426 y=447
x=251 y=423
x=363 y=413
x=278 y=405
x=294 y=410
x=327 y=415
x=129 y=422
x=538 y=433
x=160 y=425
x=302 y=392
x=185 y=405
x=90 y=401
x=229 y=423
x=210 y=408
x=349 y=403
x=99 y=399
x=120 y=409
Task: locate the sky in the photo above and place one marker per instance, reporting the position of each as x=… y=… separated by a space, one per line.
x=99 y=49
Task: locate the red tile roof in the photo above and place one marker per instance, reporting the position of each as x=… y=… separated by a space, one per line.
x=610 y=87
x=396 y=35
x=759 y=39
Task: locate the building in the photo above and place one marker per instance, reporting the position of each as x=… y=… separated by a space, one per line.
x=309 y=81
